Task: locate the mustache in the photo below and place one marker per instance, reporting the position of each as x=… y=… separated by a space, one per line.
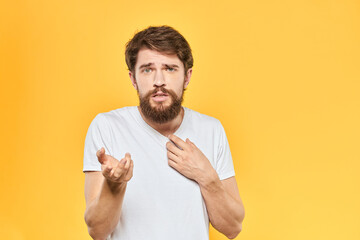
x=162 y=89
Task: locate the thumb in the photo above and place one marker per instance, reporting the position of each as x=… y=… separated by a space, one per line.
x=101 y=155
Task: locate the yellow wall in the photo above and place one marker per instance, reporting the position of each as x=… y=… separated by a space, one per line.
x=282 y=76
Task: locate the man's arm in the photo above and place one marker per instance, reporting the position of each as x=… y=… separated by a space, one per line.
x=222 y=199
x=224 y=205
x=104 y=194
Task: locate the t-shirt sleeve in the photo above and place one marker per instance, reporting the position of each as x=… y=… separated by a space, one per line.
x=98 y=135
x=224 y=163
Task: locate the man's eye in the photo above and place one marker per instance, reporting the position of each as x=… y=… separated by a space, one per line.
x=147 y=70
x=171 y=69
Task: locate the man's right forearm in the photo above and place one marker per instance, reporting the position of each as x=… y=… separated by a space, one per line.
x=104 y=211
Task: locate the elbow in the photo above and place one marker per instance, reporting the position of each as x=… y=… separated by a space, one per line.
x=235 y=232
x=236 y=229
x=94 y=235
x=90 y=226
x=97 y=233
x=94 y=231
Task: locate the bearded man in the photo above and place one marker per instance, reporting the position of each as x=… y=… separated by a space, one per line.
x=159 y=171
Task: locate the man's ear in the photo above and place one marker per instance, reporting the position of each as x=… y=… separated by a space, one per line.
x=133 y=80
x=187 y=77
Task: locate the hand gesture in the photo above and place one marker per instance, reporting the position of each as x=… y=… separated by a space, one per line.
x=114 y=170
x=187 y=159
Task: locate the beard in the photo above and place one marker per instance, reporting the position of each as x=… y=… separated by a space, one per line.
x=161 y=114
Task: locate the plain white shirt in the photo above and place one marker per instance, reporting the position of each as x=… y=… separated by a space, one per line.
x=159 y=202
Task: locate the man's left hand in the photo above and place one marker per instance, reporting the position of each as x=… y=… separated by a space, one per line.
x=187 y=159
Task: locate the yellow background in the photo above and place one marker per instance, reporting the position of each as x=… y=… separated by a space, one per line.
x=282 y=77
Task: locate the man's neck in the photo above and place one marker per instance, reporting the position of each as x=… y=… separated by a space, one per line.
x=165 y=128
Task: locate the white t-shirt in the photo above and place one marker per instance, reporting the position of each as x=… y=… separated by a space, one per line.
x=159 y=202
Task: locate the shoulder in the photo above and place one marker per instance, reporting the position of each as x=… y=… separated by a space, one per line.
x=116 y=117
x=123 y=113
x=202 y=118
x=204 y=122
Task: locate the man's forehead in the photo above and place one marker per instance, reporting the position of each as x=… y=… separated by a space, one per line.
x=153 y=57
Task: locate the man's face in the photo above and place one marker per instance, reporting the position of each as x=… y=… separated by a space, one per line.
x=160 y=81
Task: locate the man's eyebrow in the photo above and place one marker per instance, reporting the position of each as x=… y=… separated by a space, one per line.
x=171 y=65
x=166 y=65
x=145 y=65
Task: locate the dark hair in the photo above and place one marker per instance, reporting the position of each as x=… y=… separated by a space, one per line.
x=163 y=39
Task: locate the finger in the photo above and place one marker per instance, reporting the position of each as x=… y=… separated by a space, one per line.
x=127 y=164
x=128 y=160
x=173 y=165
x=106 y=170
x=172 y=156
x=178 y=141
x=112 y=171
x=132 y=165
x=172 y=148
x=129 y=173
x=119 y=169
x=190 y=142
x=122 y=167
x=121 y=163
x=101 y=155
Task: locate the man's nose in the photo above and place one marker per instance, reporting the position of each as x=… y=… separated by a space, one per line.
x=159 y=79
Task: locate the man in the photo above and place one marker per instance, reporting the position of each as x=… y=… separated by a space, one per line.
x=159 y=171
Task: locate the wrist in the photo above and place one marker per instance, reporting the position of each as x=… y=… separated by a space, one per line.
x=116 y=187
x=209 y=180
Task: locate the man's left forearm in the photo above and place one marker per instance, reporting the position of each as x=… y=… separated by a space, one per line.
x=226 y=213
x=224 y=206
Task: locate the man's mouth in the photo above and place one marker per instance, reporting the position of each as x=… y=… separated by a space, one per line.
x=159 y=96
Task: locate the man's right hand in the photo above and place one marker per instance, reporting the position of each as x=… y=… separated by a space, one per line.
x=114 y=170
x=104 y=193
